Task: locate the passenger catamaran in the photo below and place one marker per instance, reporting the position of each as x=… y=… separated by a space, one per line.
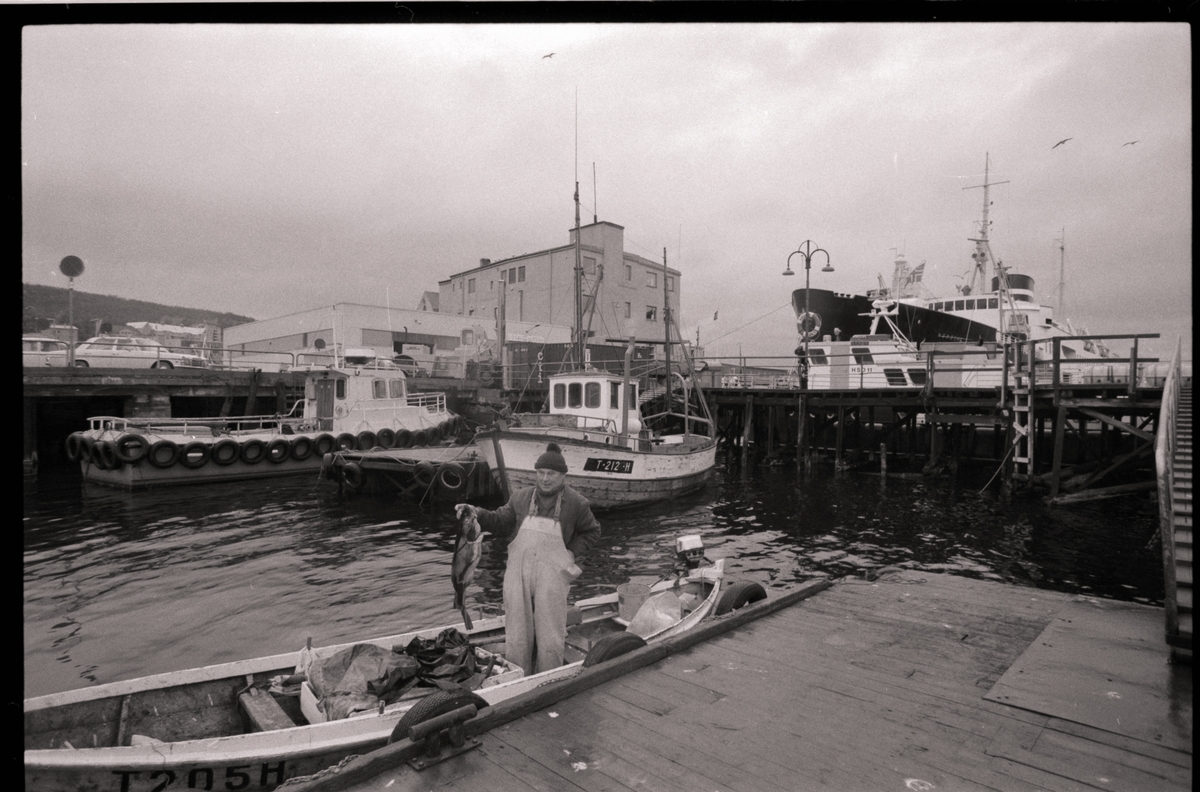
x=593 y=416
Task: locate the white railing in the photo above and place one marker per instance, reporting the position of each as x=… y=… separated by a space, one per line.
x=1164 y=462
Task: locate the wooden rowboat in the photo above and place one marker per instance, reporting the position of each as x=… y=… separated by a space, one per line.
x=207 y=728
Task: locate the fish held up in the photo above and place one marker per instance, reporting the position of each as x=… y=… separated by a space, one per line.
x=467 y=550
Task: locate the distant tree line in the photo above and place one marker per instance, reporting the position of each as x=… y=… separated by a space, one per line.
x=47 y=305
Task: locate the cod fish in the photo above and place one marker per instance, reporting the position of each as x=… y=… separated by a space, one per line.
x=467 y=550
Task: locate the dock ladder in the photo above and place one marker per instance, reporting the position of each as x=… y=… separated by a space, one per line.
x=1173 y=459
x=1024 y=379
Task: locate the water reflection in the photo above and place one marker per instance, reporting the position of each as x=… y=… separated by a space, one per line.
x=123 y=584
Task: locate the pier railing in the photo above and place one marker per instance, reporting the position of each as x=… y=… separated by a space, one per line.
x=1164 y=463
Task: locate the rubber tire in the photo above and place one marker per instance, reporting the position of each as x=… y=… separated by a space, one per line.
x=457 y=484
x=152 y=455
x=81 y=364
x=365 y=440
x=279 y=450
x=425 y=474
x=104 y=455
x=162 y=364
x=386 y=438
x=346 y=442
x=324 y=443
x=403 y=439
x=194 y=464
x=128 y=456
x=75 y=446
x=420 y=438
x=253 y=457
x=220 y=455
x=302 y=448
x=437 y=703
x=612 y=645
x=738 y=594
x=352 y=474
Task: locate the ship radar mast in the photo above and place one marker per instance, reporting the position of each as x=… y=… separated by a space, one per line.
x=983 y=249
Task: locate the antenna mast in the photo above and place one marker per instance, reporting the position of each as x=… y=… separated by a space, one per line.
x=1062 y=281
x=983 y=249
x=579 y=340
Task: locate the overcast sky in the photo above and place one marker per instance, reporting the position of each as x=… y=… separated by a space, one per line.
x=267 y=169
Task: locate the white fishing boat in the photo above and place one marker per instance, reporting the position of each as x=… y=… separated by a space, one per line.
x=359 y=402
x=222 y=727
x=614 y=457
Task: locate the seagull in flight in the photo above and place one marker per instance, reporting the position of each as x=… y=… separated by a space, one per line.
x=1059 y=143
x=551 y=55
x=1130 y=143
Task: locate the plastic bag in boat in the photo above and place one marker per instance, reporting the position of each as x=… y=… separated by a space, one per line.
x=447 y=661
x=657 y=613
x=355 y=679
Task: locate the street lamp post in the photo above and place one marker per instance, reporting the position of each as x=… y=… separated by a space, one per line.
x=806 y=323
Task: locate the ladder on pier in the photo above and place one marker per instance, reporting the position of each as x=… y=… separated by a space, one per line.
x=1181 y=518
x=1023 y=386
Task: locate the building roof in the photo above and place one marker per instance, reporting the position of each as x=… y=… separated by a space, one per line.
x=164 y=328
x=432 y=298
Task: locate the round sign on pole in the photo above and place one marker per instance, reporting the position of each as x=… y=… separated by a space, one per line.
x=71 y=266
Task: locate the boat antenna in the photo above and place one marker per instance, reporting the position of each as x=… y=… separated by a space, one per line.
x=983 y=249
x=579 y=341
x=595 y=205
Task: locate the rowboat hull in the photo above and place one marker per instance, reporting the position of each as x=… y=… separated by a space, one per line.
x=606 y=473
x=76 y=740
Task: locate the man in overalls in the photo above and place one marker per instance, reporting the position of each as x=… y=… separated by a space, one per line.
x=549 y=527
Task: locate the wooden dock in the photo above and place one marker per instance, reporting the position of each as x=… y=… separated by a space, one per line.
x=913 y=681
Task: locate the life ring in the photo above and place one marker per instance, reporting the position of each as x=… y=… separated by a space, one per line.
x=346 y=442
x=195 y=454
x=365 y=440
x=226 y=451
x=163 y=454
x=252 y=451
x=452 y=480
x=324 y=443
x=132 y=448
x=302 y=448
x=279 y=449
x=385 y=437
x=424 y=474
x=352 y=474
x=104 y=455
x=420 y=438
x=808 y=324
x=403 y=439
x=75 y=446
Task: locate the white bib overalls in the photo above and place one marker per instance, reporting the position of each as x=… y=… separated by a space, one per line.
x=539 y=574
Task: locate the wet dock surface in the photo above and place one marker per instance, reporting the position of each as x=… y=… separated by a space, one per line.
x=899 y=683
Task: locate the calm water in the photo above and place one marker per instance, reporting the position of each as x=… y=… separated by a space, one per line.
x=119 y=585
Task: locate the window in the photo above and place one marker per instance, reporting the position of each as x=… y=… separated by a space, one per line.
x=614 y=396
x=397 y=388
x=651 y=313
x=575 y=394
x=491 y=285
x=379 y=389
x=468 y=337
x=560 y=395
x=589 y=264
x=628 y=310
x=471 y=286
x=992 y=302
x=512 y=276
x=520 y=306
x=862 y=355
x=628 y=272
x=670 y=283
x=652 y=280
x=816 y=357
x=521 y=274
x=958 y=305
x=471 y=312
x=591 y=395
x=339 y=389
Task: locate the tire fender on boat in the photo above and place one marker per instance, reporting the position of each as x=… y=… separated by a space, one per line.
x=346 y=442
x=226 y=451
x=253 y=451
x=738 y=594
x=75 y=446
x=328 y=470
x=85 y=448
x=324 y=443
x=279 y=449
x=420 y=438
x=425 y=474
x=365 y=440
x=612 y=645
x=195 y=454
x=352 y=474
x=452 y=480
x=386 y=438
x=132 y=448
x=403 y=439
x=302 y=448
x=104 y=455
x=163 y=454
x=437 y=703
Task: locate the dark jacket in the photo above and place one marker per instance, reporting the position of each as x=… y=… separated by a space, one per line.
x=579 y=526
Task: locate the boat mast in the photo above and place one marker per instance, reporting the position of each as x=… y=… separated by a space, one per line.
x=983 y=249
x=667 y=328
x=579 y=341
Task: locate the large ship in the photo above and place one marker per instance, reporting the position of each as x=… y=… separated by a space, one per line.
x=1007 y=310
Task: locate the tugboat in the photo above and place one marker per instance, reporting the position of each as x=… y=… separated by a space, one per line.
x=360 y=402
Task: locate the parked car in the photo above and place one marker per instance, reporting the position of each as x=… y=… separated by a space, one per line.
x=122 y=352
x=40 y=351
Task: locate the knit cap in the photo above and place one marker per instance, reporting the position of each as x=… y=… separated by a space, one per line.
x=552 y=459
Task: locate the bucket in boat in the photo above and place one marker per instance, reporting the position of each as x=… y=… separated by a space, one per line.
x=630 y=597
